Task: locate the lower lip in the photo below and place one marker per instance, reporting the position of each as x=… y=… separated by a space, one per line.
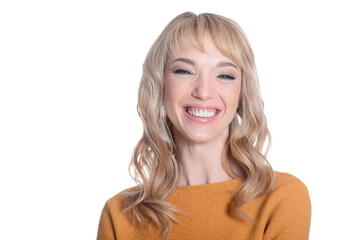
x=200 y=120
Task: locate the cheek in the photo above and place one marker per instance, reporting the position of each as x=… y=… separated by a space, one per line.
x=232 y=96
x=171 y=98
x=174 y=91
x=169 y=93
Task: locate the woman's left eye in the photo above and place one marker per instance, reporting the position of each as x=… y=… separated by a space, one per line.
x=181 y=71
x=226 y=76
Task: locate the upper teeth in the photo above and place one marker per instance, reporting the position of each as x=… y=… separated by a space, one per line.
x=201 y=113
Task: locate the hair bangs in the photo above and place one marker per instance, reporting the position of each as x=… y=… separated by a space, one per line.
x=189 y=33
x=185 y=35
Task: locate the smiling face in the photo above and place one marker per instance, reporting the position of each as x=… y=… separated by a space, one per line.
x=201 y=93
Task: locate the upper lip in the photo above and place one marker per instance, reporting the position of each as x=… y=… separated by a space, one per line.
x=202 y=106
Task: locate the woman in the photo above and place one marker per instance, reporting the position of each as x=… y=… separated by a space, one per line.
x=199 y=168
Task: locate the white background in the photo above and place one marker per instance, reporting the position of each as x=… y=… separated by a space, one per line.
x=69 y=74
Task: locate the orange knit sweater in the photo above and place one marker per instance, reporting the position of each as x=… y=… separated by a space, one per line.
x=283 y=214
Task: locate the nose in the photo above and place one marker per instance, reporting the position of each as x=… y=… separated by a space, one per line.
x=203 y=88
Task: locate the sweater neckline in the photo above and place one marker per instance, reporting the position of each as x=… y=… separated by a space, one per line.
x=210 y=186
x=208 y=191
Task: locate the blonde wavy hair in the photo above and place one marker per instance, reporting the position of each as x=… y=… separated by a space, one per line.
x=155 y=162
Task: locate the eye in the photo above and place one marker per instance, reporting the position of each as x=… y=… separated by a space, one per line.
x=181 y=71
x=227 y=77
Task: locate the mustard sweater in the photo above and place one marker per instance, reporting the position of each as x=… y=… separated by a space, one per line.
x=283 y=214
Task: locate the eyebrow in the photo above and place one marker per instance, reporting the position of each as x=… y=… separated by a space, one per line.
x=227 y=64
x=220 y=64
x=185 y=60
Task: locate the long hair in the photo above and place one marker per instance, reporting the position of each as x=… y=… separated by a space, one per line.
x=154 y=161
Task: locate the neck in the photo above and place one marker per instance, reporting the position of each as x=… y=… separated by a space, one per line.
x=201 y=162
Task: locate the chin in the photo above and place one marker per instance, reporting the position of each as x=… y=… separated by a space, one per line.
x=200 y=138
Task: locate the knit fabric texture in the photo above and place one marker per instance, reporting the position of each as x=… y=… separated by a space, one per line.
x=285 y=213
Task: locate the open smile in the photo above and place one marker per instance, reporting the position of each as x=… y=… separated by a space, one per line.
x=201 y=113
x=205 y=113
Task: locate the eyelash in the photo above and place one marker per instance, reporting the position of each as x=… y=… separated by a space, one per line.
x=222 y=76
x=225 y=76
x=181 y=71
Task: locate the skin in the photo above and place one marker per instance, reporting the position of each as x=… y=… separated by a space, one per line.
x=206 y=80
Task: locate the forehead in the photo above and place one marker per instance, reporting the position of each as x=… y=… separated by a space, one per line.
x=198 y=48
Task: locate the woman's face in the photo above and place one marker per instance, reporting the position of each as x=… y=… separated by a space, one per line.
x=201 y=93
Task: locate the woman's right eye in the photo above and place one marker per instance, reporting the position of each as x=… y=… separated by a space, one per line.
x=181 y=71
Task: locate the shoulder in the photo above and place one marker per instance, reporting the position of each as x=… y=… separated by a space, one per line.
x=114 y=222
x=113 y=216
x=287 y=209
x=286 y=182
x=116 y=201
x=290 y=190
